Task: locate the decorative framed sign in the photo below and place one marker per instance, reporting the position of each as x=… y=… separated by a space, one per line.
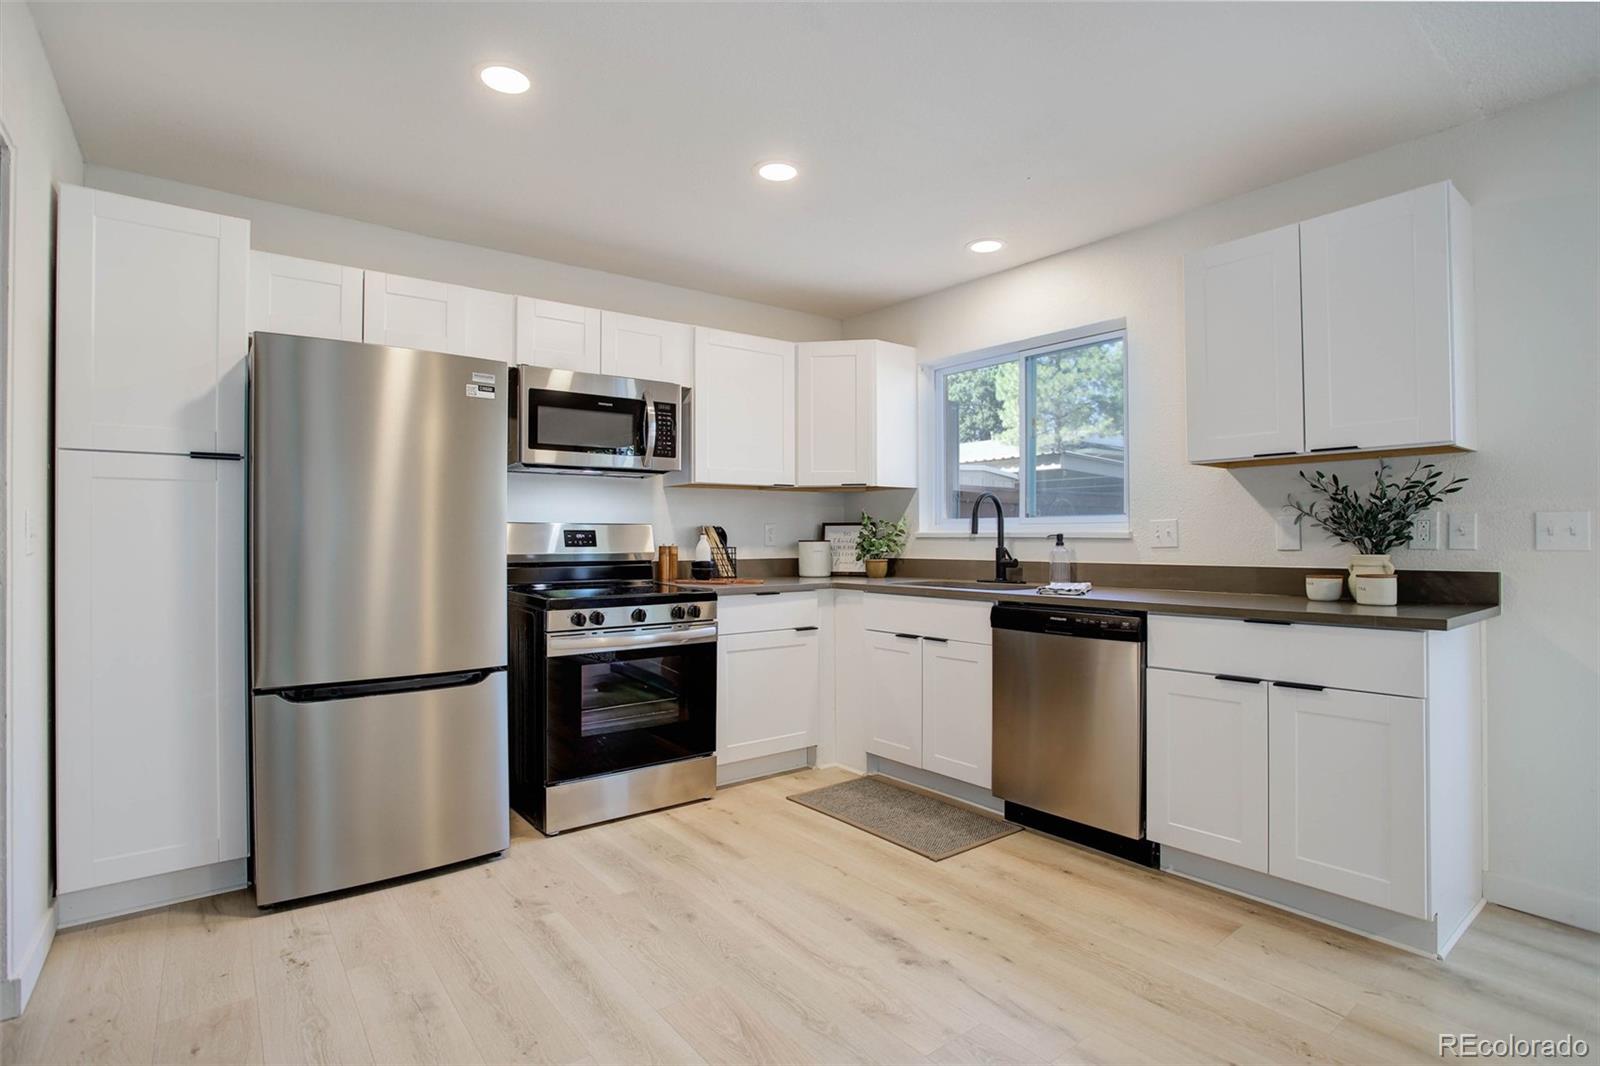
x=841 y=538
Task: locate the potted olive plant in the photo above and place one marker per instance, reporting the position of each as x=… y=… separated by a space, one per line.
x=879 y=541
x=1379 y=521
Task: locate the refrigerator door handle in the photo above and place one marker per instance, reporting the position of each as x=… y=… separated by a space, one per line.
x=350 y=690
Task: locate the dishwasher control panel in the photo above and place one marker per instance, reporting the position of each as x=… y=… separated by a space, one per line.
x=1071 y=622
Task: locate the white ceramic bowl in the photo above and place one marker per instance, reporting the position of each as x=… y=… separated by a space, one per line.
x=1325 y=587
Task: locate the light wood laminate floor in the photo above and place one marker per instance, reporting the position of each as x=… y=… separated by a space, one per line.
x=749 y=928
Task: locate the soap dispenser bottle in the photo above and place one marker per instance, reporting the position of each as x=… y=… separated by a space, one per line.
x=1060 y=562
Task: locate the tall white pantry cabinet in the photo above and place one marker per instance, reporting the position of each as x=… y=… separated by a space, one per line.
x=151 y=690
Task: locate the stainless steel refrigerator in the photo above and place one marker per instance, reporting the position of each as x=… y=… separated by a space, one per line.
x=378 y=612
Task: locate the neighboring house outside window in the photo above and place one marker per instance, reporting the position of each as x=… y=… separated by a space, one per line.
x=1043 y=426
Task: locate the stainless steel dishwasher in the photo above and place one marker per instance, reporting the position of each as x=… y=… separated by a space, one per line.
x=1069 y=723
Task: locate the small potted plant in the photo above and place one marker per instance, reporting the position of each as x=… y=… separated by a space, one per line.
x=879 y=541
x=1374 y=524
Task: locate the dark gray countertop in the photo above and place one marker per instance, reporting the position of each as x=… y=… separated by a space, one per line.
x=1158 y=601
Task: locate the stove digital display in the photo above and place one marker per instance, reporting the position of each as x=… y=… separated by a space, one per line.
x=578 y=538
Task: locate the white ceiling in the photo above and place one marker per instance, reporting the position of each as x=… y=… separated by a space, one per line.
x=917 y=127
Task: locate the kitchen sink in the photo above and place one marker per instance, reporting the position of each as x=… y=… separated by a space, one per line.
x=974 y=585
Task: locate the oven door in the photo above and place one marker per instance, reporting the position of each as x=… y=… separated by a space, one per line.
x=595 y=422
x=624 y=699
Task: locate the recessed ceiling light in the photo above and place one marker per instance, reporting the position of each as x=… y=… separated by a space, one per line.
x=986 y=245
x=504 y=79
x=777 y=170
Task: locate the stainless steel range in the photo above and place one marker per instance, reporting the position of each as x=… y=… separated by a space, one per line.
x=613 y=677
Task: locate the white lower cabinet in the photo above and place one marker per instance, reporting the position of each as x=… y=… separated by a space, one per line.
x=1206 y=765
x=767 y=689
x=930 y=694
x=957 y=702
x=152 y=712
x=769 y=675
x=1281 y=767
x=894 y=697
x=1348 y=788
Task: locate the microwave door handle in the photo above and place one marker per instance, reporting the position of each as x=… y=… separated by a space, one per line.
x=649 y=429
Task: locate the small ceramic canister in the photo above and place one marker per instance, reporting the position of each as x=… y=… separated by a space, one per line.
x=1324 y=587
x=1376 y=590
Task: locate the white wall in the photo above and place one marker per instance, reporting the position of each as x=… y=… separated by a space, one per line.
x=535 y=497
x=45 y=155
x=1533 y=177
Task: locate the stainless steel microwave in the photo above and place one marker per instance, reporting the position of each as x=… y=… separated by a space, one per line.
x=564 y=420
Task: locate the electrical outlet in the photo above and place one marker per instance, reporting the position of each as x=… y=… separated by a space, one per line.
x=1562 y=531
x=1463 y=531
x=1288 y=530
x=770 y=534
x=1164 y=533
x=1425 y=532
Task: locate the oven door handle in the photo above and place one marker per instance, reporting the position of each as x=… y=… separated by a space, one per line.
x=560 y=644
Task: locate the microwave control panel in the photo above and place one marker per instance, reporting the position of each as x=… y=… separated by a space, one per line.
x=666 y=431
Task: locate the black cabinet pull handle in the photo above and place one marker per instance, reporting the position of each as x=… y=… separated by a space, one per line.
x=230 y=456
x=1266 y=622
x=907 y=636
x=937 y=640
x=1299 y=685
x=769 y=594
x=1238 y=679
x=1336 y=448
x=805 y=629
x=1269 y=455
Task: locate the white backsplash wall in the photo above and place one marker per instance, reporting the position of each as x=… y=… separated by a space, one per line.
x=1531 y=176
x=677 y=514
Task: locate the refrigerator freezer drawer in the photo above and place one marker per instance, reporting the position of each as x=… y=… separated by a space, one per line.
x=358 y=790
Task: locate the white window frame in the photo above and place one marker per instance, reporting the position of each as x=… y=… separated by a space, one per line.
x=932 y=523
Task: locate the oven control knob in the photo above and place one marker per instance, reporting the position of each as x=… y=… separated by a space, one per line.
x=596 y=618
x=694 y=610
x=638 y=614
x=577 y=618
x=678 y=613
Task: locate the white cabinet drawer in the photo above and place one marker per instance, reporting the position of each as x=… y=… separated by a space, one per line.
x=764 y=612
x=1365 y=660
x=944 y=619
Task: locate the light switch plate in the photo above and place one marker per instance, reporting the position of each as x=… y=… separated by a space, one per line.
x=1425 y=531
x=1164 y=533
x=1288 y=530
x=1463 y=536
x=1562 y=531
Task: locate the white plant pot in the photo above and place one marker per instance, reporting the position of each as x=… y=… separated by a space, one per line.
x=1368 y=564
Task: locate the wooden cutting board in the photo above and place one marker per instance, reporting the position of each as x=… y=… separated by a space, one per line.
x=720 y=581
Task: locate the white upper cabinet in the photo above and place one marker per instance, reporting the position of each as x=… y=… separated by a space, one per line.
x=151 y=708
x=744 y=409
x=559 y=336
x=1242 y=314
x=1349 y=795
x=1386 y=286
x=1206 y=765
x=304 y=297
x=646 y=348
x=1348 y=333
x=856 y=422
x=151 y=325
x=437 y=316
